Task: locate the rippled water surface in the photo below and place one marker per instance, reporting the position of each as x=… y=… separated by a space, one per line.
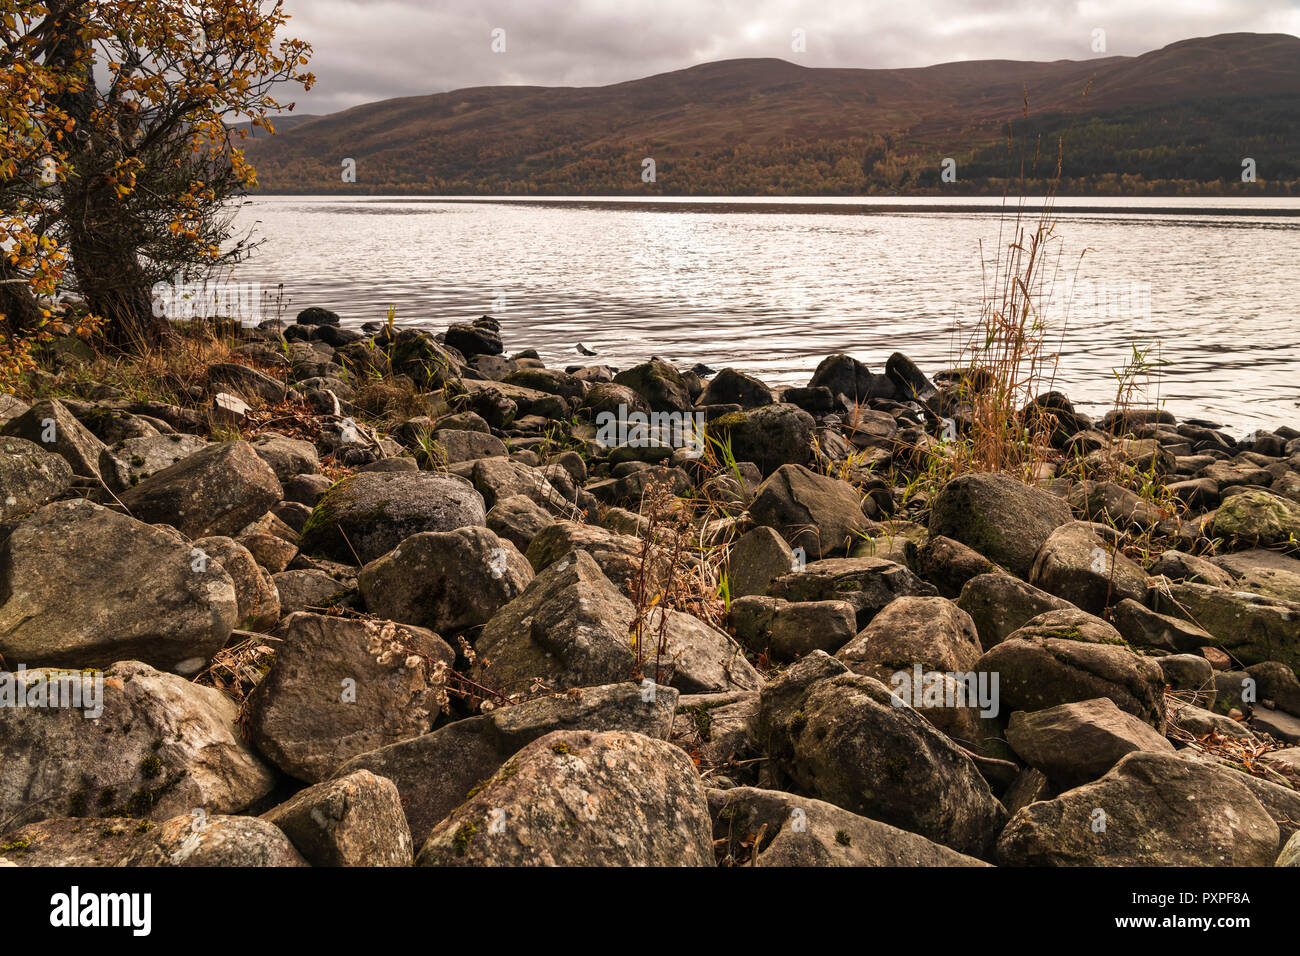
x=1213 y=286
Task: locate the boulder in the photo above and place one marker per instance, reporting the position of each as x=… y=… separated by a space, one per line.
x=1238 y=564
x=1225 y=474
x=519 y=520
x=608 y=401
x=619 y=556
x=256 y=596
x=11 y=408
x=770 y=436
x=1143 y=627
x=135 y=459
x=1000 y=604
x=1003 y=519
x=1064 y=657
x=693 y=656
x=310 y=590
x=788 y=631
x=823 y=516
x=451 y=445
x=909 y=381
x=1252 y=627
x=847 y=378
x=366 y=515
x=931 y=631
x=54 y=428
x=1257 y=519
x=160 y=746
x=869 y=584
x=1074 y=744
x=218 y=490
x=287 y=456
x=730 y=387
x=446 y=581
x=1279 y=800
x=246 y=382
x=717 y=730
x=29 y=476
x=949 y=564
x=306 y=489
x=935 y=635
x=582 y=798
x=480 y=338
x=1151 y=809
x=659 y=384
x=1142 y=456
x=1278 y=683
x=200 y=839
x=1109 y=503
x=1189 y=672
x=848 y=740
x=1271 y=582
x=1199 y=722
x=317 y=316
x=801 y=831
x=1076 y=566
x=572 y=628
x=1179 y=566
x=415 y=354
x=340 y=687
x=271 y=551
x=436 y=772
x=353 y=820
x=760 y=555
x=501 y=404
x=1290 y=855
x=500 y=478
x=546 y=380
x=71 y=841
x=86 y=587
x=632 y=489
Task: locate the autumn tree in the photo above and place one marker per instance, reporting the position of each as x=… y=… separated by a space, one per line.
x=130 y=106
x=32 y=150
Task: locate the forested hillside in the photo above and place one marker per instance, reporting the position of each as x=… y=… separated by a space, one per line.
x=1178 y=120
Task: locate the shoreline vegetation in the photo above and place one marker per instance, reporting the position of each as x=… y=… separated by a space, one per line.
x=889 y=617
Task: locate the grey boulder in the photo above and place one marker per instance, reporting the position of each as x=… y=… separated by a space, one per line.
x=86 y=587
x=1151 y=809
x=161 y=746
x=582 y=798
x=446 y=581
x=355 y=820
x=365 y=516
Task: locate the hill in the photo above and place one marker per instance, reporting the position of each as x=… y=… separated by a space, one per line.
x=1178 y=119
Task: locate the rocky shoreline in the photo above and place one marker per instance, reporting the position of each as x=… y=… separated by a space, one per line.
x=388 y=597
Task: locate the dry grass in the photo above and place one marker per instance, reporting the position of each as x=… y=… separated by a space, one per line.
x=1006 y=361
x=237 y=669
x=164 y=372
x=1242 y=752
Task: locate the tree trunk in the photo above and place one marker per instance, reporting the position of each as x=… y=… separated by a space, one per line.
x=17 y=304
x=105 y=258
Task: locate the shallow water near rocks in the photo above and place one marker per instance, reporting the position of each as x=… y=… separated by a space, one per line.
x=772 y=286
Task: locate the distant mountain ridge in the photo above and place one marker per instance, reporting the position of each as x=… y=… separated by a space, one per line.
x=1178 y=119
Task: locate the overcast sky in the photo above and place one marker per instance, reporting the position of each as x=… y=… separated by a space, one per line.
x=369 y=50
